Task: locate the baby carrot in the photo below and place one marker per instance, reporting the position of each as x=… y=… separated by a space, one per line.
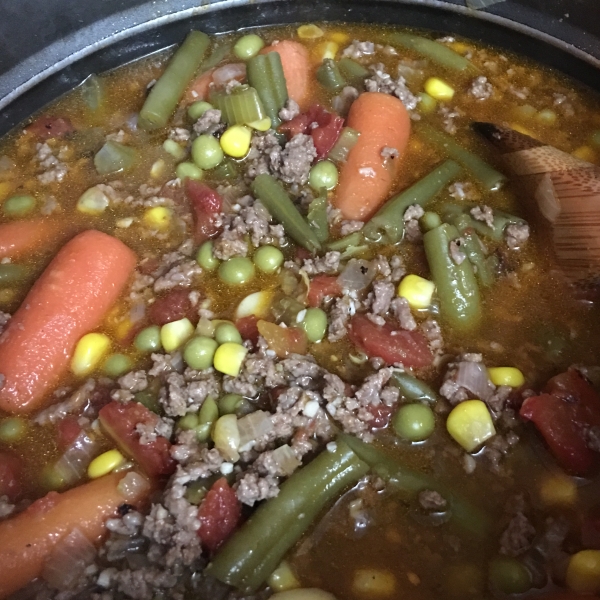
x=18 y=238
x=366 y=178
x=27 y=540
x=198 y=89
x=295 y=61
x=69 y=299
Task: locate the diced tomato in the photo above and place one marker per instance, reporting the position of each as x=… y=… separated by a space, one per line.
x=298 y=124
x=46 y=127
x=175 y=305
x=206 y=207
x=248 y=328
x=567 y=408
x=119 y=421
x=389 y=343
x=68 y=429
x=322 y=286
x=11 y=469
x=219 y=515
x=381 y=415
x=283 y=340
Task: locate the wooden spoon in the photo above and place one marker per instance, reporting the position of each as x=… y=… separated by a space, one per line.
x=564 y=194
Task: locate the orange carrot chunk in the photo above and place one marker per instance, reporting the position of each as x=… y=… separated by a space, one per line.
x=69 y=299
x=22 y=237
x=367 y=177
x=198 y=89
x=27 y=540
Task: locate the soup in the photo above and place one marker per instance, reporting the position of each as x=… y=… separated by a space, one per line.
x=276 y=323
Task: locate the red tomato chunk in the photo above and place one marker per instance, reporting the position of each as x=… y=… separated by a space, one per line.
x=219 y=515
x=173 y=306
x=206 y=207
x=321 y=287
x=10 y=474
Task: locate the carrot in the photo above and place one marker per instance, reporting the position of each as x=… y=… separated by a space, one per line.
x=21 y=237
x=366 y=178
x=27 y=540
x=295 y=61
x=198 y=89
x=69 y=299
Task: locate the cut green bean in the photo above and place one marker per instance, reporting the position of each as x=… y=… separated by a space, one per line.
x=276 y=200
x=412 y=388
x=255 y=550
x=457 y=289
x=345 y=143
x=317 y=218
x=354 y=72
x=430 y=220
x=490 y=178
x=167 y=91
x=341 y=244
x=265 y=74
x=387 y=226
x=243 y=105
x=434 y=51
x=474 y=250
x=11 y=273
x=329 y=76
x=452 y=212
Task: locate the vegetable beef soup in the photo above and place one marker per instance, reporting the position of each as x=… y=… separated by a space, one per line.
x=279 y=321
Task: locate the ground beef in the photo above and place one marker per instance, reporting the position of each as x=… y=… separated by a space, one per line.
x=449 y=115
x=484 y=214
x=357 y=50
x=383 y=293
x=431 y=500
x=72 y=405
x=348 y=227
x=265 y=151
x=457 y=255
x=398 y=270
x=516 y=235
x=186 y=393
x=179 y=135
x=230 y=243
x=328 y=264
x=433 y=332
x=53 y=169
x=496 y=449
x=411 y=222
x=296 y=159
x=164 y=364
x=343 y=101
x=289 y=111
x=481 y=88
x=381 y=81
x=209 y=123
x=252 y=488
x=389 y=153
x=463 y=190
x=4 y=319
x=339 y=315
x=149 y=431
x=402 y=313
x=456 y=392
x=134 y=381
x=517 y=536
x=180 y=275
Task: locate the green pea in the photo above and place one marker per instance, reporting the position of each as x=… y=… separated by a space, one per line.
x=207 y=152
x=197 y=109
x=229 y=403
x=195 y=492
x=174 y=149
x=323 y=175
x=199 y=352
x=18 y=206
x=116 y=365
x=314 y=324
x=209 y=411
x=190 y=421
x=188 y=170
x=12 y=429
x=509 y=575
x=227 y=332
x=148 y=339
x=205 y=257
x=236 y=270
x=11 y=273
x=248 y=46
x=414 y=422
x=268 y=259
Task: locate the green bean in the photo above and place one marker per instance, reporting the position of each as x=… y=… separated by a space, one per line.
x=114 y=157
x=317 y=217
x=116 y=365
x=253 y=552
x=149 y=398
x=215 y=57
x=248 y=46
x=345 y=143
x=452 y=212
x=268 y=259
x=265 y=74
x=323 y=175
x=412 y=388
x=456 y=285
x=314 y=324
x=148 y=339
x=329 y=76
x=387 y=226
x=473 y=249
x=237 y=270
x=434 y=51
x=430 y=220
x=343 y=243
x=490 y=178
x=197 y=109
x=12 y=429
x=466 y=515
x=276 y=200
x=199 y=352
x=167 y=91
x=18 y=206
x=11 y=273
x=414 y=422
x=427 y=103
x=227 y=332
x=241 y=106
x=354 y=72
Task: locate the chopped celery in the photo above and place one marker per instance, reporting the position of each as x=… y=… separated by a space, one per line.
x=345 y=143
x=114 y=157
x=241 y=107
x=265 y=74
x=329 y=76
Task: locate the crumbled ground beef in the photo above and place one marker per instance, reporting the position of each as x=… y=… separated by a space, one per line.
x=343 y=101
x=252 y=488
x=481 y=88
x=463 y=190
x=458 y=387
x=53 y=169
x=329 y=264
x=383 y=293
x=180 y=275
x=72 y=405
x=209 y=123
x=411 y=222
x=432 y=501
x=179 y=135
x=348 y=227
x=484 y=214
x=289 y=111
x=516 y=235
x=4 y=319
x=449 y=115
x=517 y=536
x=381 y=81
x=231 y=242
x=341 y=311
x=357 y=50
x=457 y=255
x=400 y=309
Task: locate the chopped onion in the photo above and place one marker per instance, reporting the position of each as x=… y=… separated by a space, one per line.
x=285 y=460
x=68 y=560
x=137 y=312
x=225 y=74
x=133 y=485
x=357 y=275
x=226 y=437
x=252 y=427
x=473 y=377
x=73 y=464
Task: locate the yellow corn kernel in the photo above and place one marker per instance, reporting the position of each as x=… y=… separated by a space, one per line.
x=283 y=578
x=325 y=50
x=373 y=583
x=585 y=153
x=229 y=357
x=310 y=32
x=558 y=490
x=510 y=376
x=236 y=141
x=158 y=217
x=105 y=463
x=90 y=350
x=459 y=47
x=262 y=125
x=583 y=572
x=440 y=90
x=470 y=424
x=417 y=291
x=339 y=37
x=175 y=334
x=158 y=168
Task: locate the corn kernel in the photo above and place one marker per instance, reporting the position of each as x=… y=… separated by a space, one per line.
x=437 y=88
x=470 y=424
x=583 y=572
x=325 y=50
x=90 y=350
x=229 y=357
x=123 y=328
x=510 y=376
x=283 y=578
x=262 y=125
x=459 y=47
x=518 y=127
x=310 y=32
x=417 y=291
x=373 y=583
x=158 y=168
x=339 y=37
x=585 y=153
x=558 y=491
x=236 y=141
x=175 y=334
x=158 y=217
x=105 y=463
